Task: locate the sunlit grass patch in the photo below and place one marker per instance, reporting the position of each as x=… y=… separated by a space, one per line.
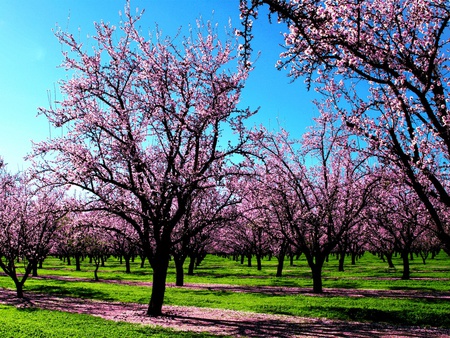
x=369 y=273
x=37 y=323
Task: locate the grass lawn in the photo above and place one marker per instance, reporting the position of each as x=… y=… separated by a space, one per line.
x=368 y=273
x=37 y=323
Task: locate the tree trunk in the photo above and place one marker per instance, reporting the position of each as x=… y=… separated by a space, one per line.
x=258 y=262
x=19 y=288
x=77 y=262
x=317 y=279
x=280 y=263
x=406 y=270
x=191 y=265
x=127 y=264
x=199 y=258
x=19 y=283
x=249 y=261
x=424 y=255
x=353 y=258
x=341 y=261
x=34 y=272
x=179 y=262
x=95 y=272
x=316 y=270
x=160 y=264
x=389 y=260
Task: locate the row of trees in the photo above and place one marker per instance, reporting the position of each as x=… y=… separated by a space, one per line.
x=341 y=206
x=154 y=138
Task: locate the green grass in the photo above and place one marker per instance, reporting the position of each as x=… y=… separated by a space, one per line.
x=37 y=323
x=397 y=311
x=369 y=273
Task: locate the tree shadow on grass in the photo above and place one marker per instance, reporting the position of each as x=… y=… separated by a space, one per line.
x=73 y=291
x=314 y=327
x=225 y=322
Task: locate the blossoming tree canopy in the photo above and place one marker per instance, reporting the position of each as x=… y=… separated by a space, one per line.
x=384 y=65
x=314 y=205
x=143 y=127
x=29 y=217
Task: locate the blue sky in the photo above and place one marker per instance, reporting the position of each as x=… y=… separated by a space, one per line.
x=30 y=56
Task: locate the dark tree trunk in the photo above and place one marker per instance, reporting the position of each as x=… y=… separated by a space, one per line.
x=258 y=262
x=316 y=270
x=354 y=258
x=127 y=263
x=34 y=272
x=179 y=262
x=199 y=258
x=389 y=260
x=406 y=270
x=96 y=260
x=341 y=261
x=96 y=272
x=160 y=264
x=281 y=260
x=191 y=265
x=19 y=288
x=249 y=261
x=68 y=260
x=317 y=279
x=242 y=258
x=424 y=255
x=77 y=262
x=18 y=283
x=280 y=264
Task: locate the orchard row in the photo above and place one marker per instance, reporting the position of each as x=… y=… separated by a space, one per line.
x=155 y=158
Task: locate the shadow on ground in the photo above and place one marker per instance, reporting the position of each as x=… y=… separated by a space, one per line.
x=216 y=321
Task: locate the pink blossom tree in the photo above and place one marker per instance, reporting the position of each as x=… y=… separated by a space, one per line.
x=207 y=212
x=123 y=239
x=253 y=229
x=316 y=190
x=29 y=217
x=384 y=65
x=69 y=241
x=144 y=125
x=397 y=219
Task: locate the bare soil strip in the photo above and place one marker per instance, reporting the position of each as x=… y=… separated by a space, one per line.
x=276 y=290
x=217 y=321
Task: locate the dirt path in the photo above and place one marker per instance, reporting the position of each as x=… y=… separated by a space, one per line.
x=216 y=321
x=275 y=290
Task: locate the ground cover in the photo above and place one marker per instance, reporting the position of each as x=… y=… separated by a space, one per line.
x=367 y=292
x=369 y=272
x=25 y=322
x=200 y=320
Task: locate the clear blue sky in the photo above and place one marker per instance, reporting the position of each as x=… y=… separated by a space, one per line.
x=30 y=56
